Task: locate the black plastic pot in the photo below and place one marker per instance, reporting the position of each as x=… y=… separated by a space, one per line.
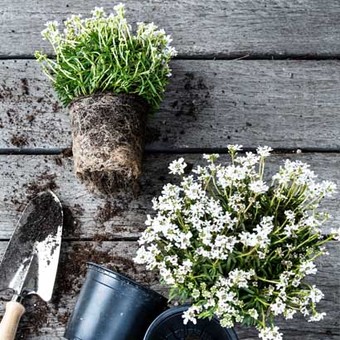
x=113 y=307
x=169 y=326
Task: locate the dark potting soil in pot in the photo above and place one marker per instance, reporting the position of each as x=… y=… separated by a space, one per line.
x=108 y=140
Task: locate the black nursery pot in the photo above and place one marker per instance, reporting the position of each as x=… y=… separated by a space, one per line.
x=169 y=326
x=112 y=307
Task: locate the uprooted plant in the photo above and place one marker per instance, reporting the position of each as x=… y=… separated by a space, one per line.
x=111 y=79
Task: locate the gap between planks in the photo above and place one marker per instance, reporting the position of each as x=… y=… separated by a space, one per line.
x=151 y=150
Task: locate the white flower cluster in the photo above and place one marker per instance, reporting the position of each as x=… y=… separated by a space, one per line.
x=75 y=25
x=235 y=246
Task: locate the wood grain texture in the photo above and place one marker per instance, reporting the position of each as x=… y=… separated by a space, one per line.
x=209 y=104
x=205 y=28
x=121 y=217
x=119 y=255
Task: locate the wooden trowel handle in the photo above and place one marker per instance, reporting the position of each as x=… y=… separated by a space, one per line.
x=10 y=321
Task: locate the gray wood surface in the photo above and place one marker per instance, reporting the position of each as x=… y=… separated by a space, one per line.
x=209 y=104
x=22 y=176
x=119 y=254
x=287 y=104
x=209 y=28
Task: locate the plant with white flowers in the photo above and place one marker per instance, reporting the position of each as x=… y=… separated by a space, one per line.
x=237 y=247
x=101 y=53
x=111 y=78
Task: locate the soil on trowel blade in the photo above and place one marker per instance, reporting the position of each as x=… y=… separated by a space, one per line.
x=43 y=219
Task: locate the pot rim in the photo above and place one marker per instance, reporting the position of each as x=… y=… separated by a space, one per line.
x=174 y=311
x=114 y=275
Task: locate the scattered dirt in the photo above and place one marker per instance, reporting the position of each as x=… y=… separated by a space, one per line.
x=108 y=211
x=30 y=118
x=71 y=227
x=64 y=317
x=19 y=140
x=24 y=86
x=100 y=238
x=45 y=181
x=152 y=134
x=58 y=161
x=56 y=107
x=192 y=101
x=25 y=102
x=72 y=268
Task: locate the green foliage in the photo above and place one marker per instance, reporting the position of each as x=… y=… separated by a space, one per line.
x=100 y=54
x=236 y=246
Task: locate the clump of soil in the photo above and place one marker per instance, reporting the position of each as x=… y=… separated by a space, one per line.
x=108 y=133
x=67 y=152
x=19 y=140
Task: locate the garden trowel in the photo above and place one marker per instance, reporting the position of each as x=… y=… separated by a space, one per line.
x=30 y=262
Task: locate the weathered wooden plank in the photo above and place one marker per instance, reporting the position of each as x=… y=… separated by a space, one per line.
x=92 y=217
x=208 y=28
x=209 y=104
x=48 y=321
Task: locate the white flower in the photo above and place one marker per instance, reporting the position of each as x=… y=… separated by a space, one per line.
x=177 y=166
x=248 y=161
x=234 y=148
x=98 y=12
x=315 y=294
x=211 y=158
x=119 y=8
x=194 y=191
x=240 y=277
x=253 y=313
x=258 y=187
x=264 y=151
x=317 y=317
x=190 y=314
x=329 y=188
x=336 y=234
x=278 y=306
x=268 y=333
x=290 y=215
x=248 y=239
x=167 y=275
x=195 y=294
x=289 y=313
x=308 y=268
x=52 y=25
x=170 y=51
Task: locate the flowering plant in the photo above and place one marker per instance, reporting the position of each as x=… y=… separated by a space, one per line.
x=237 y=247
x=100 y=54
